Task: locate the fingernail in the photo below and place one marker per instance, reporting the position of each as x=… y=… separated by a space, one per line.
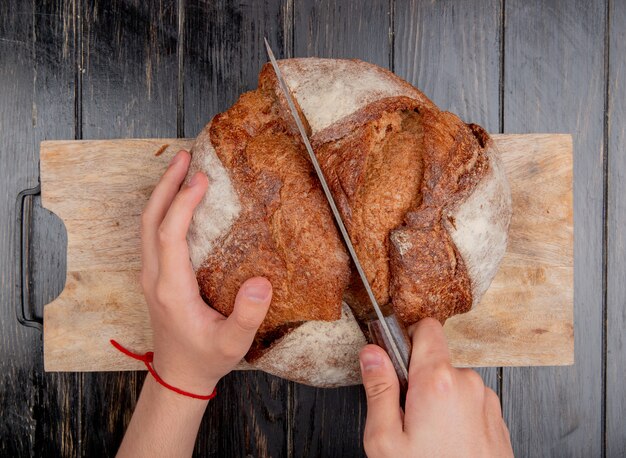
x=194 y=179
x=370 y=360
x=257 y=290
x=176 y=158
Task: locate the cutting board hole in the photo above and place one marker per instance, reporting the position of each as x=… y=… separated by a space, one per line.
x=48 y=256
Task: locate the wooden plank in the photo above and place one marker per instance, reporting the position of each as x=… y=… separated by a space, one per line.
x=451 y=51
x=56 y=431
x=616 y=262
x=223 y=54
x=129 y=67
x=343 y=29
x=328 y=421
x=525 y=317
x=36 y=86
x=554 y=82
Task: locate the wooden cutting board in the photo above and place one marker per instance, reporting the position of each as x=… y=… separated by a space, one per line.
x=98 y=188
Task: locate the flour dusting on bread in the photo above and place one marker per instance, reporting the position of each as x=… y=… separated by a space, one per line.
x=220 y=206
x=328 y=90
x=481 y=225
x=319 y=353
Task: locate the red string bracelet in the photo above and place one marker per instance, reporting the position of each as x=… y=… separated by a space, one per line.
x=147 y=360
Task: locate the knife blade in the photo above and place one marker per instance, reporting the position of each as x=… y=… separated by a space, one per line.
x=396 y=343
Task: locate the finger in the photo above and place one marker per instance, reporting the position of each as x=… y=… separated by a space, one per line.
x=496 y=427
x=492 y=410
x=172 y=234
x=382 y=390
x=472 y=384
x=429 y=345
x=492 y=404
x=505 y=435
x=251 y=305
x=167 y=188
x=431 y=377
x=157 y=206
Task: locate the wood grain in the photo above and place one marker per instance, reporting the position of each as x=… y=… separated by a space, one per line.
x=615 y=438
x=223 y=53
x=554 y=82
x=36 y=102
x=336 y=29
x=56 y=431
x=343 y=29
x=112 y=213
x=524 y=319
x=128 y=88
x=451 y=51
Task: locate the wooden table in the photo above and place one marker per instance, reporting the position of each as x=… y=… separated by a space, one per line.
x=77 y=69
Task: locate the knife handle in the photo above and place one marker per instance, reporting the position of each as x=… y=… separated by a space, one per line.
x=403 y=342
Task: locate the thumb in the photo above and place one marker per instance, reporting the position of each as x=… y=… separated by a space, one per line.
x=382 y=390
x=251 y=306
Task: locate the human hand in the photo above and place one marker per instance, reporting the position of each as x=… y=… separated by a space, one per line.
x=448 y=412
x=194 y=345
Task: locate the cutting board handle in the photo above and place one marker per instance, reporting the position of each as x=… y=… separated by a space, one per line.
x=24 y=218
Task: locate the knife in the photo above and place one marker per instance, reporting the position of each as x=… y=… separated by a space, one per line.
x=386 y=332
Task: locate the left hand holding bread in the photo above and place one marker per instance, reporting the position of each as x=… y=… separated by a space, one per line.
x=194 y=345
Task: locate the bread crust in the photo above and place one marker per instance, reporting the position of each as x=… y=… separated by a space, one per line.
x=285 y=230
x=447 y=230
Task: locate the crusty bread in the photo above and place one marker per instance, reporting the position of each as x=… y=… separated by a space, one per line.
x=422 y=194
x=284 y=231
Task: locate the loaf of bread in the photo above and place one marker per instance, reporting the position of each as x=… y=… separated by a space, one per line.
x=423 y=196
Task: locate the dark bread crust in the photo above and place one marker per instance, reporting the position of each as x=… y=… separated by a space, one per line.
x=429 y=277
x=285 y=231
x=394 y=167
x=373 y=163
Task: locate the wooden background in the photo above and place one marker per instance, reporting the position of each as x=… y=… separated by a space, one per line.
x=130 y=68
